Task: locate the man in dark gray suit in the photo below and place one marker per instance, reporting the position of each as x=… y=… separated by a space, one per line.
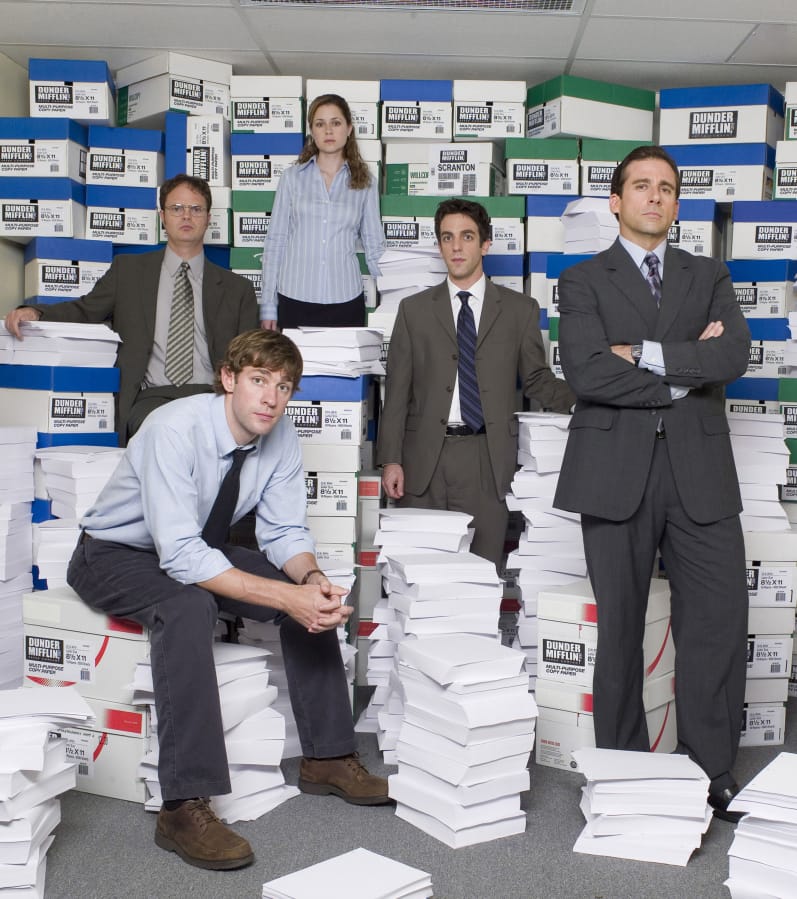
x=649 y=335
x=431 y=457
x=135 y=297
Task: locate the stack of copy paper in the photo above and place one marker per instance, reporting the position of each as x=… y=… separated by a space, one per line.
x=763 y=855
x=550 y=551
x=34 y=770
x=342 y=352
x=405 y=272
x=62 y=343
x=464 y=744
x=640 y=805
x=589 y=225
x=359 y=874
x=254 y=734
x=17 y=445
x=54 y=541
x=74 y=475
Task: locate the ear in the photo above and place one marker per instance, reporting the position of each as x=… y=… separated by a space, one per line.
x=227 y=379
x=486 y=247
x=614 y=203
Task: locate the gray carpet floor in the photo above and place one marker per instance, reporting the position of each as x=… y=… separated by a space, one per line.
x=104 y=848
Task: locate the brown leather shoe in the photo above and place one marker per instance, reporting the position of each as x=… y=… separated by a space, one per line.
x=344 y=777
x=195 y=833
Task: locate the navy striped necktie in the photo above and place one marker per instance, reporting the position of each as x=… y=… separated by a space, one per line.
x=469 y=402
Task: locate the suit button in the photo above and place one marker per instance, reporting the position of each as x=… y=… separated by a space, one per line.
x=449 y=389
x=443 y=421
x=454 y=356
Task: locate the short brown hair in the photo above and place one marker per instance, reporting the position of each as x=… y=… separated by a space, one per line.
x=474 y=211
x=198 y=184
x=644 y=152
x=261 y=349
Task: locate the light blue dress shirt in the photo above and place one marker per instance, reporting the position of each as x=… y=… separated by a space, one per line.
x=310 y=252
x=164 y=487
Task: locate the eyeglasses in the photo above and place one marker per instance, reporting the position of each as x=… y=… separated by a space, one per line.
x=177 y=209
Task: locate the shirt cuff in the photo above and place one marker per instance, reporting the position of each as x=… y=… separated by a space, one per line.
x=652 y=357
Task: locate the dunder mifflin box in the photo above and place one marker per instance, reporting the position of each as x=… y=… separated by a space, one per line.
x=248 y=262
x=329 y=422
x=107 y=751
x=439 y=169
x=785 y=170
x=790 y=130
x=42 y=148
x=725 y=173
x=41 y=207
x=331 y=493
x=72 y=88
x=544 y=226
x=258 y=160
x=124 y=157
x=172 y=81
x=266 y=104
x=63 y=268
x=200 y=146
x=581 y=107
x=697 y=228
x=122 y=215
x=362 y=97
x=546 y=166
x=599 y=159
x=763 y=724
x=487 y=110
x=251 y=214
x=719 y=114
x=769 y=655
x=416 y=109
x=765 y=230
x=764 y=288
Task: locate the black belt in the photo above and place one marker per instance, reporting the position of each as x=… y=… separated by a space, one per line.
x=463 y=431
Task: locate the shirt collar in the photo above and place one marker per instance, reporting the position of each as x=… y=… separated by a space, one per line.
x=225 y=442
x=475 y=290
x=638 y=253
x=312 y=161
x=172 y=262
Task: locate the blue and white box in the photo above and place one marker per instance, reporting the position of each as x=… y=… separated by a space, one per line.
x=506 y=269
x=42 y=148
x=124 y=157
x=544 y=226
x=61 y=268
x=765 y=230
x=738 y=113
x=41 y=207
x=200 y=146
x=81 y=89
x=266 y=104
x=258 y=160
x=764 y=288
x=555 y=265
x=489 y=110
x=416 y=109
x=697 y=228
x=725 y=173
x=122 y=214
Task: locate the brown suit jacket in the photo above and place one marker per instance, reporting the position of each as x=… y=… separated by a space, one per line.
x=126 y=298
x=422 y=369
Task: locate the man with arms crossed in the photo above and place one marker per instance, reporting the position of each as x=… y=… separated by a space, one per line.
x=136 y=297
x=432 y=457
x=649 y=335
x=154 y=549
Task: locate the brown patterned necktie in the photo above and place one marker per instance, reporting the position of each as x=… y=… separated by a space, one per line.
x=179 y=366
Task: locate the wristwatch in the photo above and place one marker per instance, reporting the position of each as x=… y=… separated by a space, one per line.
x=636 y=352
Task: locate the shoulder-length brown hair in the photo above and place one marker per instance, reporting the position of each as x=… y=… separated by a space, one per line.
x=359 y=173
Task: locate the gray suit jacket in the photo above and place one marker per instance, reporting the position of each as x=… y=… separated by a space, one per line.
x=422 y=370
x=605 y=301
x=126 y=298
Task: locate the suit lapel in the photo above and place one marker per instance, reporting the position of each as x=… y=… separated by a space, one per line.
x=630 y=284
x=441 y=309
x=491 y=309
x=212 y=300
x=147 y=291
x=675 y=287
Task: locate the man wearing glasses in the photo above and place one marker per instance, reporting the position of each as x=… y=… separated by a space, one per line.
x=175 y=311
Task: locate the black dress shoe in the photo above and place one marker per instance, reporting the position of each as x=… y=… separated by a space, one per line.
x=719 y=800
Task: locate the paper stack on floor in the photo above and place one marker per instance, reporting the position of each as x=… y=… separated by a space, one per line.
x=550 y=551
x=64 y=343
x=17 y=445
x=464 y=744
x=254 y=734
x=641 y=805
x=34 y=770
x=73 y=476
x=589 y=225
x=763 y=855
x=342 y=352
x=762 y=460
x=359 y=874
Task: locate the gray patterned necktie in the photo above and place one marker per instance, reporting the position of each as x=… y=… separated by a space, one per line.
x=653 y=278
x=180 y=340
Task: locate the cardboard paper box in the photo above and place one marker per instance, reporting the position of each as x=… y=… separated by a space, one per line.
x=764 y=288
x=769 y=655
x=125 y=157
x=362 y=97
x=763 y=725
x=42 y=148
x=771 y=585
x=122 y=215
x=329 y=422
x=63 y=268
x=542 y=166
x=331 y=493
x=725 y=173
x=71 y=88
x=766 y=230
x=41 y=207
x=264 y=104
x=57 y=412
x=415 y=109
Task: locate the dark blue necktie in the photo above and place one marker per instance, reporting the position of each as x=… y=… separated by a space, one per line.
x=216 y=530
x=653 y=278
x=469 y=403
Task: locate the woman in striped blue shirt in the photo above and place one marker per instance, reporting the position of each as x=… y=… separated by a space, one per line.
x=324 y=203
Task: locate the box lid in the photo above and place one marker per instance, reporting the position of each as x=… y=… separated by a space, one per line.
x=698 y=211
x=70 y=70
x=352 y=91
x=262 y=86
x=769 y=328
x=68 y=248
x=101 y=136
x=409 y=89
x=20 y=128
x=61 y=378
x=558 y=262
x=253 y=200
x=266 y=144
x=247 y=258
x=722 y=95
x=712 y=155
x=595 y=149
x=541 y=148
x=548 y=205
x=743 y=270
x=764 y=211
x=175 y=64
x=538 y=261
x=477 y=91
x=588 y=89
x=42 y=189
x=506 y=264
x=752 y=389
x=122 y=197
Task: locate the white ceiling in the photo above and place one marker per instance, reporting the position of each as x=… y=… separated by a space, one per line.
x=669 y=43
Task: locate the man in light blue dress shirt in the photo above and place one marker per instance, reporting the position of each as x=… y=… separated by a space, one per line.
x=144 y=555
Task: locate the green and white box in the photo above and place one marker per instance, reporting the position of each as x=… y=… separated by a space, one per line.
x=581 y=107
x=489 y=110
x=251 y=213
x=446 y=169
x=248 y=262
x=790 y=131
x=266 y=104
x=785 y=170
x=172 y=81
x=362 y=97
x=548 y=166
x=599 y=159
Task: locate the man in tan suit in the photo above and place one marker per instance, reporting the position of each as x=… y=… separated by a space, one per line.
x=431 y=457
